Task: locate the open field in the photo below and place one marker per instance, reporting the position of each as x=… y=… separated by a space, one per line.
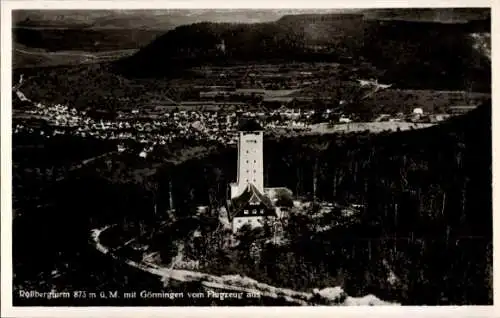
x=30 y=57
x=97 y=86
x=373 y=127
x=428 y=100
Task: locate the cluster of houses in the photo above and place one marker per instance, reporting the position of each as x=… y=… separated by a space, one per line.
x=201 y=125
x=216 y=126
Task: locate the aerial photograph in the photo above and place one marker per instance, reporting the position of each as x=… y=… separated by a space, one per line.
x=252 y=157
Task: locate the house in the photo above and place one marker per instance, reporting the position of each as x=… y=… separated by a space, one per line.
x=344 y=119
x=418 y=111
x=250 y=207
x=439 y=117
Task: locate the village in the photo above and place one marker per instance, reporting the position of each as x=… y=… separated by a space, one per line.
x=215 y=125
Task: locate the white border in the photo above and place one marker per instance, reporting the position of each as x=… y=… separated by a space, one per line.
x=6 y=178
x=239 y=4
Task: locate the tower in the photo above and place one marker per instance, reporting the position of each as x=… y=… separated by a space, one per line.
x=221 y=46
x=250 y=202
x=170 y=198
x=250 y=158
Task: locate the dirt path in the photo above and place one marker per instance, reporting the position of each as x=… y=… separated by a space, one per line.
x=238 y=283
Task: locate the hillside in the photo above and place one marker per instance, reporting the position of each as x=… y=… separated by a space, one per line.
x=428 y=209
x=101 y=30
x=25 y=57
x=442 y=15
x=440 y=177
x=147 y=19
x=91 y=40
x=439 y=55
x=413 y=54
x=166 y=19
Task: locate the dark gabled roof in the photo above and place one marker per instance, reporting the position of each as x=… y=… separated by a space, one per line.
x=249 y=194
x=249 y=124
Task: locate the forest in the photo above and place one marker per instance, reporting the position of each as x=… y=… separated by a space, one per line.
x=426 y=196
x=428 y=210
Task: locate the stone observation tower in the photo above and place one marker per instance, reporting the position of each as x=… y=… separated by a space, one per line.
x=249 y=202
x=221 y=46
x=250 y=158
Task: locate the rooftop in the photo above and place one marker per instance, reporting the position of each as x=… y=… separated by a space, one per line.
x=250 y=193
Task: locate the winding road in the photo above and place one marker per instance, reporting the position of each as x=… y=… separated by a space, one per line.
x=237 y=283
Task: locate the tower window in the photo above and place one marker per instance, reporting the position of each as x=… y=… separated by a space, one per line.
x=247 y=160
x=255 y=161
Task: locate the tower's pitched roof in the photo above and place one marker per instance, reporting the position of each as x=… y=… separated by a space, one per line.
x=249 y=124
x=250 y=194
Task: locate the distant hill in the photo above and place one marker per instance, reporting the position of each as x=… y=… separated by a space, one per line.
x=441 y=15
x=415 y=54
x=418 y=48
x=167 y=19
x=428 y=53
x=147 y=19
x=89 y=40
x=102 y=30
